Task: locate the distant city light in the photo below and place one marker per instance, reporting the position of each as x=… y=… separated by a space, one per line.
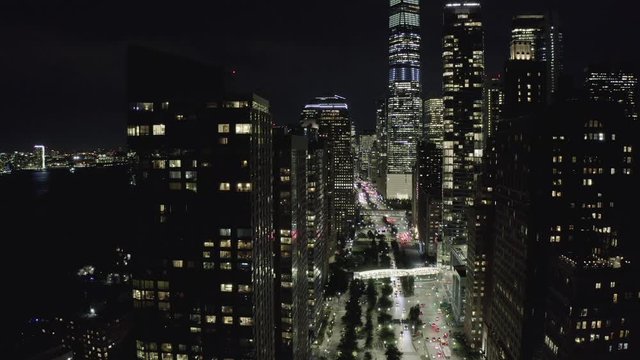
x=41 y=147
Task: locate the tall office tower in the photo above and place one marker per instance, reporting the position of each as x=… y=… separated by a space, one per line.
x=608 y=84
x=382 y=142
x=544 y=35
x=203 y=271
x=525 y=84
x=404 y=102
x=492 y=107
x=563 y=276
x=365 y=150
x=463 y=76
x=434 y=109
x=330 y=115
x=427 y=197
x=290 y=247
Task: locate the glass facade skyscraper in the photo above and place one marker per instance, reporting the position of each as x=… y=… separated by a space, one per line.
x=330 y=115
x=463 y=74
x=404 y=103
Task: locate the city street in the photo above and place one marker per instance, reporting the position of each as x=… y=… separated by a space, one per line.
x=433 y=339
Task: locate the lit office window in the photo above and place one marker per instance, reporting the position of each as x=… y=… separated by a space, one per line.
x=243 y=187
x=226 y=287
x=246 y=321
x=191 y=186
x=211 y=319
x=142 y=106
x=175 y=163
x=225 y=186
x=158 y=129
x=177 y=263
x=227 y=320
x=243 y=128
x=133 y=130
x=223 y=128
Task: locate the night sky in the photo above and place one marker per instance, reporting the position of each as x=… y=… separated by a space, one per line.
x=63 y=64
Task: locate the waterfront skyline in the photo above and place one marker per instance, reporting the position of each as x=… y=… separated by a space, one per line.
x=64 y=62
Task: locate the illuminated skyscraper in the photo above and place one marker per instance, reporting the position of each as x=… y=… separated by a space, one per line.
x=40 y=157
x=463 y=76
x=404 y=103
x=330 y=115
x=543 y=35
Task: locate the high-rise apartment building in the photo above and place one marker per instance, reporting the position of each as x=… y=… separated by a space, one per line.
x=593 y=299
x=463 y=77
x=330 y=115
x=404 y=102
x=611 y=85
x=290 y=247
x=561 y=276
x=203 y=270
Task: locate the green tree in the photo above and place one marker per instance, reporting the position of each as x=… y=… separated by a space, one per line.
x=407 y=285
x=348 y=344
x=338 y=281
x=386 y=290
x=369 y=330
x=414 y=315
x=372 y=293
x=386 y=334
x=384 y=302
x=384 y=318
x=393 y=353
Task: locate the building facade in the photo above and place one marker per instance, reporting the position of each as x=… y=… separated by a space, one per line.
x=434 y=130
x=611 y=85
x=365 y=155
x=562 y=268
x=291 y=294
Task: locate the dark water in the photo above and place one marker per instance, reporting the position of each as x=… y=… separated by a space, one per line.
x=51 y=223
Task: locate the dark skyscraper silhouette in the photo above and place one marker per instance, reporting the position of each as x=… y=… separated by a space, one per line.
x=203 y=283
